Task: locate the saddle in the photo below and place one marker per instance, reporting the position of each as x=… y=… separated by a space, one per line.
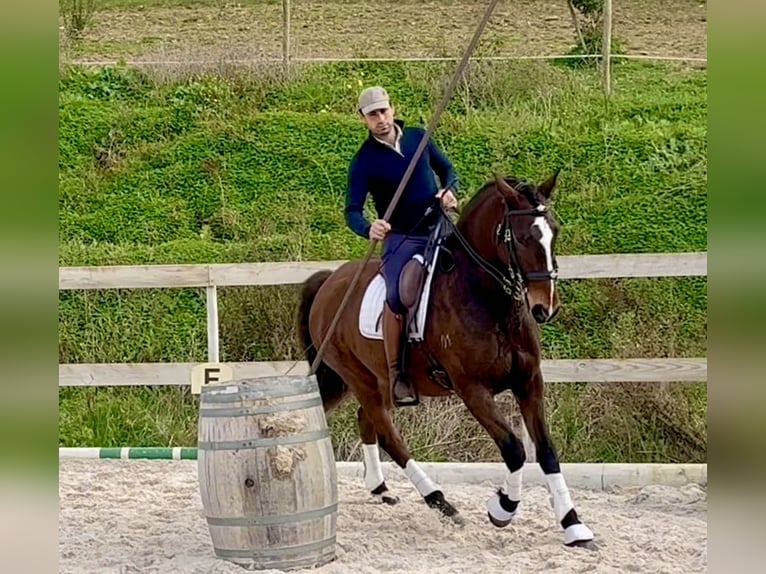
x=414 y=284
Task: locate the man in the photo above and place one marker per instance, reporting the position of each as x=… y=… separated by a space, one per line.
x=377 y=168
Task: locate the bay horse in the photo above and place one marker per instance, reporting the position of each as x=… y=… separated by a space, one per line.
x=481 y=338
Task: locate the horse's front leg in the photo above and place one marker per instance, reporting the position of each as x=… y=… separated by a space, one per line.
x=503 y=504
x=531 y=403
x=373 y=471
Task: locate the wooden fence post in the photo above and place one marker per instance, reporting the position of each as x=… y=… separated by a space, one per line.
x=212 y=323
x=576 y=24
x=286 y=34
x=521 y=432
x=606 y=48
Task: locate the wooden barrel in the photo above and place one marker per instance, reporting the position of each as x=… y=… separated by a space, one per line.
x=267 y=472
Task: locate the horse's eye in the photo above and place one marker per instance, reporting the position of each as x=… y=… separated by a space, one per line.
x=536 y=232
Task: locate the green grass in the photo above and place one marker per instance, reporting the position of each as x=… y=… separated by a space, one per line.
x=236 y=167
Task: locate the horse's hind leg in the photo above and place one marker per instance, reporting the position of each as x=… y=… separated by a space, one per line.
x=373 y=473
x=367 y=390
x=531 y=403
x=394 y=445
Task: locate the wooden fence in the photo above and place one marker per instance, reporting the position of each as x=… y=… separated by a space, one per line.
x=212 y=276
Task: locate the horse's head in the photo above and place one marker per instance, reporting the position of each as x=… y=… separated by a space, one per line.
x=509 y=223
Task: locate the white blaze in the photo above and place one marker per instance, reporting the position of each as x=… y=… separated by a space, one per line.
x=546 y=240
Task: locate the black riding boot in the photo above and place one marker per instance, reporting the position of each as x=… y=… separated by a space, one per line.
x=395 y=343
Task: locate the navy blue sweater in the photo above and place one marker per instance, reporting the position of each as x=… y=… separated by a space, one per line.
x=378 y=169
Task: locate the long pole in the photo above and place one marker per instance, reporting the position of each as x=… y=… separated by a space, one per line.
x=407 y=174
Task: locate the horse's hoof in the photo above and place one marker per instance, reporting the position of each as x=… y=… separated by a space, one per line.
x=390 y=500
x=498 y=523
x=501 y=509
x=381 y=493
x=580 y=536
x=587 y=544
x=436 y=500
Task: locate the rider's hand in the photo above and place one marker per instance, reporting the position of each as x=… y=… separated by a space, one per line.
x=379 y=229
x=449 y=201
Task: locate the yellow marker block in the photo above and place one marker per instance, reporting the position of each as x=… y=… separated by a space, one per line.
x=209 y=374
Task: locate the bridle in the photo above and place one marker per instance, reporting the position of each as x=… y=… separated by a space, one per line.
x=509 y=239
x=515 y=282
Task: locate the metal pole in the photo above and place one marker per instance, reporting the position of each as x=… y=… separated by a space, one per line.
x=410 y=168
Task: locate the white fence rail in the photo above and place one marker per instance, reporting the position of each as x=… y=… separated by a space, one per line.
x=554 y=371
x=281 y=273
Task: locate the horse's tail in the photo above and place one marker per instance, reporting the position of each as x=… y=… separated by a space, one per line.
x=331 y=386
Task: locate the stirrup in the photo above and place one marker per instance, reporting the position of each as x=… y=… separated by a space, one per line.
x=411 y=401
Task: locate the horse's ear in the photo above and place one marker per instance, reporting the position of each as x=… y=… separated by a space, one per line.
x=546 y=188
x=502 y=186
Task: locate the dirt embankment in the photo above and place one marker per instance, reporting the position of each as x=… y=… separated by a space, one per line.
x=320 y=29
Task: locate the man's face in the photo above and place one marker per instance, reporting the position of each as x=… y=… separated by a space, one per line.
x=380 y=122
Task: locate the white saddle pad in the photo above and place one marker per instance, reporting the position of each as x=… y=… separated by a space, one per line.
x=370 y=314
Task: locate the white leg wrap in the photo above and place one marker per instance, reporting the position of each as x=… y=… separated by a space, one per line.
x=419 y=478
x=497 y=512
x=513 y=491
x=562 y=502
x=513 y=484
x=373 y=473
x=577 y=532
